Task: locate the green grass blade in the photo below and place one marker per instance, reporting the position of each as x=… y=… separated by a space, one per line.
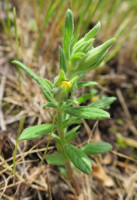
x=115 y=51
x=8 y=13
x=82 y=15
x=22 y=120
x=112 y=10
x=46 y=19
x=17 y=44
x=16 y=32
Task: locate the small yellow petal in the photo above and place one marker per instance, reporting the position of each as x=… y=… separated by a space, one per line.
x=67 y=84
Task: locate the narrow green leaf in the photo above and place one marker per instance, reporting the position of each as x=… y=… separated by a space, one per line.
x=51 y=105
x=83 y=47
x=69 y=27
x=73 y=83
x=28 y=71
x=96 y=148
x=87 y=112
x=55 y=159
x=47 y=96
x=69 y=23
x=74 y=59
x=70 y=135
x=103 y=103
x=86 y=84
x=69 y=122
x=80 y=76
x=84 y=97
x=73 y=130
x=78 y=158
x=74 y=42
x=76 y=56
x=36 y=78
x=99 y=61
x=47 y=82
x=92 y=32
x=59 y=78
x=37 y=131
x=50 y=115
x=56 y=138
x=89 y=35
x=62 y=60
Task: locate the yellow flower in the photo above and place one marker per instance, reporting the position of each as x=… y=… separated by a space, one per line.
x=66 y=84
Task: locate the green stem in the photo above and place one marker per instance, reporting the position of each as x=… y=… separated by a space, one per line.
x=22 y=120
x=45 y=153
x=60 y=118
x=72 y=177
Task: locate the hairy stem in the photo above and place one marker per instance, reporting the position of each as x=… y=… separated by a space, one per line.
x=60 y=118
x=72 y=177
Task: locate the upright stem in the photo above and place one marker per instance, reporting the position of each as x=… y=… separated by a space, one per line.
x=72 y=177
x=60 y=118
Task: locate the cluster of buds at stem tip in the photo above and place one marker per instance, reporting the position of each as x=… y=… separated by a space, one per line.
x=80 y=55
x=92 y=58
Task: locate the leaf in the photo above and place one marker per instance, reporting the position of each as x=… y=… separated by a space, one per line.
x=73 y=130
x=37 y=131
x=56 y=138
x=47 y=96
x=70 y=135
x=83 y=47
x=62 y=60
x=96 y=148
x=99 y=61
x=36 y=78
x=92 y=32
x=69 y=27
x=47 y=82
x=55 y=159
x=74 y=42
x=51 y=105
x=86 y=84
x=84 y=97
x=69 y=122
x=87 y=112
x=76 y=57
x=59 y=78
x=78 y=158
x=73 y=83
x=50 y=114
x=103 y=103
x=80 y=75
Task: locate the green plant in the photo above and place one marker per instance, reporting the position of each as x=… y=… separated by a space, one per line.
x=76 y=58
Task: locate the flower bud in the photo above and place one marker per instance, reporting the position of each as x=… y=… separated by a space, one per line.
x=93 y=56
x=60 y=93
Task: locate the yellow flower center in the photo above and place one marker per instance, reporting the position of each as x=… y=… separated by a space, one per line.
x=67 y=84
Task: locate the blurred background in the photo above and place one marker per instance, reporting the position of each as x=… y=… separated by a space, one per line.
x=31 y=32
